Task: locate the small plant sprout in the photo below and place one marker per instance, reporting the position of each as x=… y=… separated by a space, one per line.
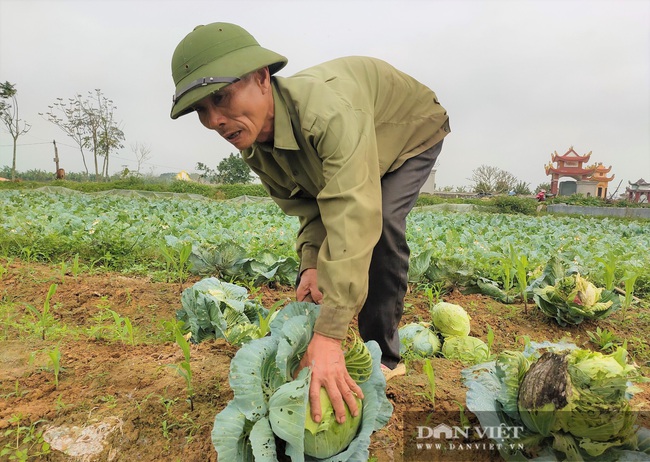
x=605 y=339
x=430 y=394
x=75 y=266
x=23 y=442
x=520 y=263
x=265 y=322
x=184 y=367
x=44 y=318
x=630 y=281
x=63 y=271
x=464 y=420
x=177 y=260
x=122 y=327
x=506 y=272
x=55 y=363
x=433 y=292
x=490 y=339
x=609 y=262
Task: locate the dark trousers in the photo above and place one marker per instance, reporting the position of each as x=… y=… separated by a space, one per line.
x=380 y=316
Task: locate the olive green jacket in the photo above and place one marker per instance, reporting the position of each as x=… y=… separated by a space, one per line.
x=339 y=127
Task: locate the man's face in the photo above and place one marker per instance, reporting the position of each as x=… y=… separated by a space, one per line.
x=242 y=112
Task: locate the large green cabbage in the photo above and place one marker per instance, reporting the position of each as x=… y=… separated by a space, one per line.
x=328 y=437
x=268 y=404
x=450 y=319
x=418 y=340
x=465 y=348
x=571 y=404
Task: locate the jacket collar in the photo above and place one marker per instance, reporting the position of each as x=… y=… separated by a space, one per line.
x=283 y=130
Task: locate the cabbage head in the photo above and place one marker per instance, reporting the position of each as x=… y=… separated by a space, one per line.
x=466 y=349
x=570 y=298
x=450 y=319
x=269 y=405
x=570 y=404
x=328 y=437
x=581 y=396
x=418 y=340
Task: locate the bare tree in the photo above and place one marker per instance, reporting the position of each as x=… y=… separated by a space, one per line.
x=90 y=123
x=110 y=133
x=70 y=118
x=142 y=154
x=492 y=180
x=9 y=116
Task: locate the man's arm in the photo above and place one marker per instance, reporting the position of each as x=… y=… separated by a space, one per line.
x=325 y=356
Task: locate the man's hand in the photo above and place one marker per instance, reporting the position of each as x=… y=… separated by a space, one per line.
x=325 y=357
x=307 y=290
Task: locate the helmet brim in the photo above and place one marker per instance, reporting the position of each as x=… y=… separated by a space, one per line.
x=235 y=64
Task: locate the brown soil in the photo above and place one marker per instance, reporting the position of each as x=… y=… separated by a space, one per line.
x=125 y=403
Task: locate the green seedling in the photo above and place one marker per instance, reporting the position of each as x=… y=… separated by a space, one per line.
x=506 y=272
x=265 y=322
x=177 y=260
x=605 y=339
x=490 y=339
x=433 y=292
x=23 y=442
x=430 y=394
x=122 y=328
x=184 y=368
x=18 y=393
x=44 y=318
x=520 y=263
x=464 y=420
x=610 y=263
x=630 y=281
x=75 y=266
x=63 y=271
x=55 y=362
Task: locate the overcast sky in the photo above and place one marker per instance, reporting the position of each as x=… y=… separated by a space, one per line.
x=520 y=79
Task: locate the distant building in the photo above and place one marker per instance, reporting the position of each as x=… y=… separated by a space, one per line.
x=590 y=180
x=639 y=191
x=429 y=186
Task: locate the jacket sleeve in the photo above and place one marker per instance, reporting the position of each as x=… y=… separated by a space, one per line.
x=311 y=233
x=350 y=212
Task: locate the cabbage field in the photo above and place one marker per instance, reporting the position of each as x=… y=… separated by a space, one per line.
x=90 y=285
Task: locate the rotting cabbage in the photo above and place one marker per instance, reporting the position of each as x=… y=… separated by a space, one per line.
x=450 y=319
x=268 y=404
x=465 y=348
x=568 y=297
x=568 y=404
x=418 y=340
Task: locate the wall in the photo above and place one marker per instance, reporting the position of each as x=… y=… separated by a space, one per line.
x=620 y=212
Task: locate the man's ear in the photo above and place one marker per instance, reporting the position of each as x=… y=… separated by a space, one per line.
x=263 y=78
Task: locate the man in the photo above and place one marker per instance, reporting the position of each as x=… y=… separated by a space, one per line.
x=345 y=146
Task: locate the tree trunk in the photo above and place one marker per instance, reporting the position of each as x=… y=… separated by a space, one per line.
x=97 y=176
x=13 y=166
x=83 y=157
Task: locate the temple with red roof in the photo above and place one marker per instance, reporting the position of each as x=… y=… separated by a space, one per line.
x=639 y=191
x=590 y=180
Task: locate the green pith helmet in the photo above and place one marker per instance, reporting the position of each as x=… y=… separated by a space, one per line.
x=213 y=56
